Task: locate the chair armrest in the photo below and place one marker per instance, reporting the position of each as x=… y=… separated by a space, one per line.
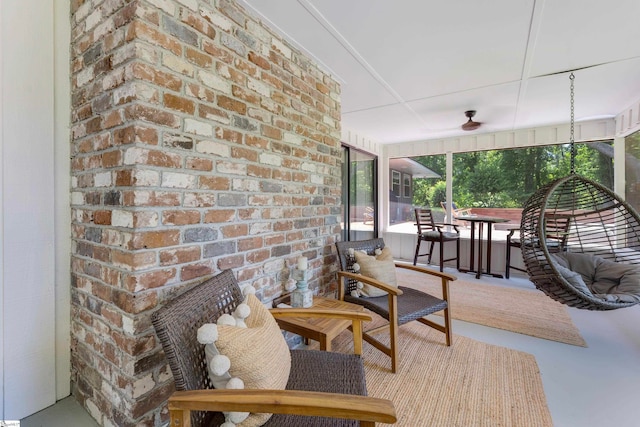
x=367 y=409
x=391 y=290
x=445 y=278
x=511 y=231
x=439 y=225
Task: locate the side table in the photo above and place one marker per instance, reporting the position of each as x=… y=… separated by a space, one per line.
x=324 y=330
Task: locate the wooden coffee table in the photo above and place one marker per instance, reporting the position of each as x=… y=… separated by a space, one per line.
x=323 y=330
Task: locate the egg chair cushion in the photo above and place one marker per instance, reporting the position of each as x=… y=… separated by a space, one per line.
x=607 y=280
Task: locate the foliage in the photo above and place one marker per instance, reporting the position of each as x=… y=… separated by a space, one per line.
x=507 y=178
x=439 y=193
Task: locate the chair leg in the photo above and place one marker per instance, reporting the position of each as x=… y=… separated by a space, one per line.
x=458 y=254
x=393 y=333
x=415 y=257
x=447 y=326
x=508 y=263
x=441 y=256
x=430 y=252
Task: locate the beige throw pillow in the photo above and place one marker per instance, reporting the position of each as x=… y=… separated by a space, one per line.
x=258 y=356
x=380 y=267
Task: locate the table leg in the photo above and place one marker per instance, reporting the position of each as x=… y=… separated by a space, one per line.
x=325 y=344
x=500 y=276
x=480 y=231
x=489 y=227
x=471 y=251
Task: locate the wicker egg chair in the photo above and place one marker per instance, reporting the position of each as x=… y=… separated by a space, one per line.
x=596 y=223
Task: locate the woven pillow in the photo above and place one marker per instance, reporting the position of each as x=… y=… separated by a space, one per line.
x=380 y=267
x=258 y=357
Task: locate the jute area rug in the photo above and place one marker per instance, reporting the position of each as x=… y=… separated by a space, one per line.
x=516 y=310
x=468 y=384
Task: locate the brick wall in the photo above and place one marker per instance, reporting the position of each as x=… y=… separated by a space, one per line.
x=201 y=141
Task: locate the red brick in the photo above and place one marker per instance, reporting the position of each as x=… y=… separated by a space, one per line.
x=178 y=103
x=180 y=217
x=153 y=75
x=251 y=243
x=271 y=132
x=208 y=182
x=219 y=216
x=281 y=175
x=112 y=159
x=256 y=141
x=259 y=171
x=212 y=113
x=155 y=239
x=200 y=92
x=233 y=261
x=148 y=280
x=235 y=230
x=197 y=163
x=133 y=260
x=246 y=95
x=229 y=135
x=153 y=115
x=140 y=30
x=102 y=217
x=195 y=270
x=270 y=79
x=232 y=104
x=198 y=58
x=180 y=255
x=260 y=61
x=232 y=74
x=198 y=23
x=244 y=153
x=214 y=49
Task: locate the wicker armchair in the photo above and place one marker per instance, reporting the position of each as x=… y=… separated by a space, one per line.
x=401 y=305
x=324 y=388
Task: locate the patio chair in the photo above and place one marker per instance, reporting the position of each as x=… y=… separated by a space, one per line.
x=429 y=231
x=455 y=211
x=323 y=388
x=398 y=304
x=556 y=232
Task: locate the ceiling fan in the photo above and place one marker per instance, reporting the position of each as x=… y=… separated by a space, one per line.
x=470 y=124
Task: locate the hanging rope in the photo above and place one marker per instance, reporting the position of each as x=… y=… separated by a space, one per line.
x=572 y=134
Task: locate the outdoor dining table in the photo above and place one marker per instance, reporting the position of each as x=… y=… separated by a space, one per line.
x=481 y=220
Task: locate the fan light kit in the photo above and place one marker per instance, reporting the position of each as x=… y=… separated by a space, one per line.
x=470 y=124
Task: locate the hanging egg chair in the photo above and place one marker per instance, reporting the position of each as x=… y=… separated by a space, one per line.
x=581 y=245
x=580 y=242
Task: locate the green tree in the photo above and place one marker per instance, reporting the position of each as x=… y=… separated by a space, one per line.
x=507 y=178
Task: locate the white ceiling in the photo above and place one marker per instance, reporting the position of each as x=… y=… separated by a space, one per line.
x=409 y=69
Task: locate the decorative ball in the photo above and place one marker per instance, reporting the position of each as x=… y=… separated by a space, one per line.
x=237 y=417
x=248 y=290
x=208 y=333
x=235 y=383
x=219 y=364
x=226 y=319
x=242 y=311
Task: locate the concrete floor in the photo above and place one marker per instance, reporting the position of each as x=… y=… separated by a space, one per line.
x=589 y=387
